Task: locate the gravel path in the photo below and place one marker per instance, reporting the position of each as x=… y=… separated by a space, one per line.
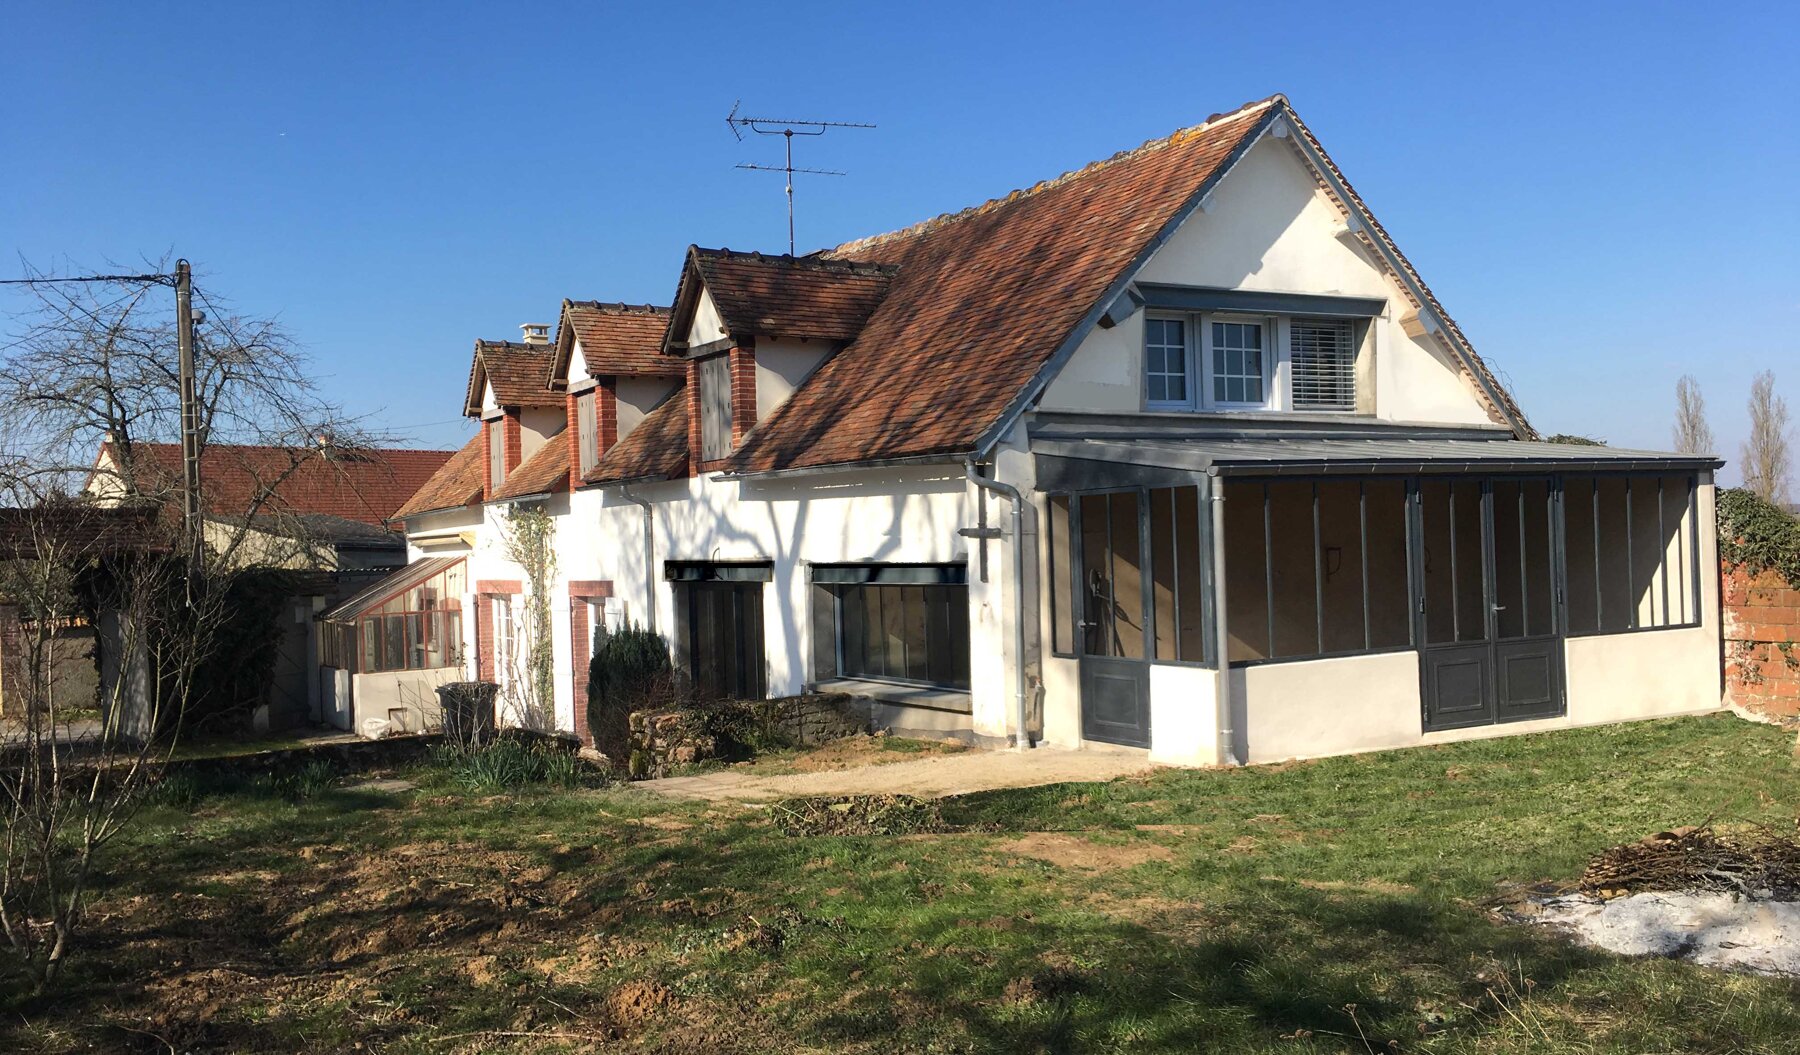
x=932 y=777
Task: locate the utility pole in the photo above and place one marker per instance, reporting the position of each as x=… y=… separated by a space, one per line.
x=193 y=535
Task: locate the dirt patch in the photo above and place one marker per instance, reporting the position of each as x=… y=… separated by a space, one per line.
x=634 y=1003
x=854 y=752
x=1361 y=886
x=1066 y=850
x=858 y=815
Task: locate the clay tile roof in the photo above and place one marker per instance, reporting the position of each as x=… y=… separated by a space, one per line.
x=983 y=298
x=657 y=448
x=616 y=340
x=362 y=484
x=457 y=483
x=784 y=296
x=519 y=373
x=547 y=470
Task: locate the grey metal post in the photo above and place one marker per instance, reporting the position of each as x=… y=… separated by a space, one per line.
x=1221 y=632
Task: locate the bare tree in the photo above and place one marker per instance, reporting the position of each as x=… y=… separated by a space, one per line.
x=529 y=687
x=1767 y=457
x=1692 y=434
x=90 y=394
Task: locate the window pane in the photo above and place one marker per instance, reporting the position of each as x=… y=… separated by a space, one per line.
x=1618 y=606
x=1190 y=633
x=1340 y=557
x=1522 y=568
x=1454 y=596
x=917 y=660
x=1677 y=494
x=1322 y=365
x=371 y=642
x=1163 y=563
x=824 y=632
x=1237 y=362
x=1246 y=567
x=1062 y=603
x=1578 y=554
x=1390 y=605
x=893 y=632
x=393 y=645
x=1291 y=555
x=1127 y=621
x=1165 y=361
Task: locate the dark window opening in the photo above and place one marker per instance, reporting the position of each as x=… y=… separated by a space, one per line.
x=1631 y=552
x=907 y=632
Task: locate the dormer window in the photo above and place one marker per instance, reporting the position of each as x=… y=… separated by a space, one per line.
x=496 y=434
x=587 y=420
x=1222 y=361
x=715 y=408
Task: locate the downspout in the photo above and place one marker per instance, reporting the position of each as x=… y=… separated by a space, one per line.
x=1227 y=749
x=1022 y=736
x=649 y=554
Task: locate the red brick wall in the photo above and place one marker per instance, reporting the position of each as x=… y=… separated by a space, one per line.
x=485 y=591
x=487 y=462
x=1762 y=642
x=572 y=436
x=743 y=393
x=606 y=414
x=581 y=643
x=693 y=408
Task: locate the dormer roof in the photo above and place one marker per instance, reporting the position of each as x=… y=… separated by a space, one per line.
x=618 y=340
x=813 y=297
x=516 y=371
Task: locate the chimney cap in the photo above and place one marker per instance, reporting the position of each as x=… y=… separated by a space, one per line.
x=536 y=332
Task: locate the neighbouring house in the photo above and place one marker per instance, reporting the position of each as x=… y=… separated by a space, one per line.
x=1175 y=452
x=321 y=511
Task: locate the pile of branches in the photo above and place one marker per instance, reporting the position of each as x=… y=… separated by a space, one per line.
x=1760 y=862
x=859 y=815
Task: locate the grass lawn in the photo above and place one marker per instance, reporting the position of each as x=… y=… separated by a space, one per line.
x=1326 y=906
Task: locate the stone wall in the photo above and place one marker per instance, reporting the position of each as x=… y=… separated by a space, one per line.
x=1762 y=643
x=737 y=729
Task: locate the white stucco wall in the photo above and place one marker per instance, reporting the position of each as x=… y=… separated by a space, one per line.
x=707 y=325
x=1268 y=227
x=578 y=370
x=638 y=396
x=781 y=364
x=538 y=425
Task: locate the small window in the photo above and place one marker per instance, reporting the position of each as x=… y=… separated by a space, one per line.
x=715 y=408
x=915 y=632
x=1166 y=363
x=1322 y=364
x=496 y=430
x=589 y=436
x=1239 y=363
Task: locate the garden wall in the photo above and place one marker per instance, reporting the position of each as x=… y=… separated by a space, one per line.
x=1762 y=642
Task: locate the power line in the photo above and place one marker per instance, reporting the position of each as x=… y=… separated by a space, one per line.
x=165 y=279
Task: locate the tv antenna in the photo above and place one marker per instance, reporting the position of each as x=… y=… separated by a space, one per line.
x=787 y=130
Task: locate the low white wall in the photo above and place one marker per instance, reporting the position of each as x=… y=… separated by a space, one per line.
x=413 y=692
x=1061 y=703
x=1642 y=675
x=1183 y=725
x=1322 y=707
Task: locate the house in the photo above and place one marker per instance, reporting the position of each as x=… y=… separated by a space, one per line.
x=320 y=510
x=1174 y=453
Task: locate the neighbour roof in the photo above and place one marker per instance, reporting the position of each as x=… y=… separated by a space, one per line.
x=656 y=448
x=518 y=372
x=545 y=471
x=616 y=340
x=781 y=296
x=79 y=529
x=982 y=302
x=457 y=483
x=1276 y=456
x=364 y=484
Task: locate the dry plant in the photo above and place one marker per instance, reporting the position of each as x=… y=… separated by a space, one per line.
x=1767 y=456
x=1692 y=434
x=529 y=688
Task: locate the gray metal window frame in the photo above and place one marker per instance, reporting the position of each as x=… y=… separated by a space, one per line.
x=835 y=591
x=1692 y=582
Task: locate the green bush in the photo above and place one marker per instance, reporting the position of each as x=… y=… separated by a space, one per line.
x=630 y=671
x=1758 y=535
x=506 y=764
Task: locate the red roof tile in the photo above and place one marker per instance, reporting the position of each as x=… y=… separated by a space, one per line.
x=982 y=300
x=783 y=296
x=547 y=470
x=617 y=340
x=457 y=483
x=519 y=374
x=656 y=448
x=364 y=484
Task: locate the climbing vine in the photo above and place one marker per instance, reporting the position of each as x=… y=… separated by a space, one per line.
x=1758 y=535
x=530 y=538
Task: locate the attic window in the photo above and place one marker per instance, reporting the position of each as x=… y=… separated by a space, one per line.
x=715 y=408
x=1322 y=365
x=496 y=432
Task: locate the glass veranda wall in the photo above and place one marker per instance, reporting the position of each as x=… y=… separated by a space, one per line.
x=1341 y=566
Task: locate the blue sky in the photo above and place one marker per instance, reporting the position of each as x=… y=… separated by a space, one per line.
x=1602 y=197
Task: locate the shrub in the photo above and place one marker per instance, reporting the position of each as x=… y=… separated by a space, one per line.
x=1759 y=535
x=630 y=671
x=506 y=764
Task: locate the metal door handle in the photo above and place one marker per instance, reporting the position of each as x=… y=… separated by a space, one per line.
x=1499 y=608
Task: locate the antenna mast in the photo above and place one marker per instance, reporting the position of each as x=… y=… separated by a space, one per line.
x=787 y=130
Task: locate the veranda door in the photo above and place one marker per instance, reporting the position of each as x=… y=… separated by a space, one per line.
x=1490 y=637
x=1112 y=601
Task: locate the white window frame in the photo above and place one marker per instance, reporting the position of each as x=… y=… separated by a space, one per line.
x=505 y=640
x=1190 y=365
x=1271 y=359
